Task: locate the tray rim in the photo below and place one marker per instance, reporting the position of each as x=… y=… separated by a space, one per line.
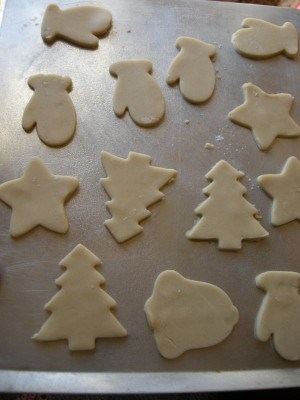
x=153 y=382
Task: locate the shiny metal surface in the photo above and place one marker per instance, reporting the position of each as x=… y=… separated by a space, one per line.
x=29 y=265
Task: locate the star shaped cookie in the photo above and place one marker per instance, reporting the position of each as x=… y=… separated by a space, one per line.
x=37 y=199
x=284 y=188
x=267 y=115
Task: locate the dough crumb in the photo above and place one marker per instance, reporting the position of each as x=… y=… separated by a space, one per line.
x=209 y=146
x=187 y=121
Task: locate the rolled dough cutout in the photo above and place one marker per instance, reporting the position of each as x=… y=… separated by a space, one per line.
x=267 y=115
x=133 y=185
x=50 y=109
x=37 y=199
x=261 y=39
x=226 y=215
x=284 y=188
x=81 y=26
x=81 y=310
x=186 y=314
x=137 y=92
x=193 y=68
x=279 y=314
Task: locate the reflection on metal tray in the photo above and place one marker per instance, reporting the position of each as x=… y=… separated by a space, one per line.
x=30 y=265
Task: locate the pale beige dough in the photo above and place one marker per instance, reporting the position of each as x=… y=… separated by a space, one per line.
x=226 y=215
x=279 y=314
x=193 y=68
x=137 y=92
x=133 y=185
x=50 y=109
x=261 y=39
x=81 y=310
x=267 y=115
x=284 y=188
x=186 y=314
x=37 y=199
x=78 y=25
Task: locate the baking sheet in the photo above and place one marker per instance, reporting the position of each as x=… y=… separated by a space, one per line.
x=29 y=265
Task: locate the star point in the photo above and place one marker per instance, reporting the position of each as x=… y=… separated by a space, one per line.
x=37 y=199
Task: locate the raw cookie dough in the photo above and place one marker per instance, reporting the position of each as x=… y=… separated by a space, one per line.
x=50 y=109
x=193 y=68
x=226 y=215
x=81 y=310
x=284 y=188
x=133 y=185
x=37 y=199
x=186 y=314
x=261 y=39
x=137 y=92
x=267 y=115
x=279 y=314
x=78 y=25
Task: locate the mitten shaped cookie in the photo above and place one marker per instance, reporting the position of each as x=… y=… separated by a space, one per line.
x=279 y=314
x=81 y=26
x=50 y=109
x=193 y=68
x=261 y=39
x=137 y=92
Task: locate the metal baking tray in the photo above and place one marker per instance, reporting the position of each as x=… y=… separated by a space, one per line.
x=30 y=264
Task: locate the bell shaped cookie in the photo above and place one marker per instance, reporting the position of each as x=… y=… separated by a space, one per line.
x=50 y=109
x=81 y=26
x=193 y=68
x=279 y=315
x=261 y=39
x=137 y=92
x=186 y=314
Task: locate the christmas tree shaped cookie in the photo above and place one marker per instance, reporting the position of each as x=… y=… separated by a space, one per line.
x=284 y=188
x=137 y=92
x=50 y=109
x=193 y=68
x=133 y=185
x=267 y=115
x=279 y=314
x=186 y=314
x=81 y=310
x=261 y=39
x=226 y=215
x=78 y=25
x=37 y=199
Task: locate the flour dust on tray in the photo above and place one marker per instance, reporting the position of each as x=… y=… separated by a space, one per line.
x=193 y=68
x=81 y=26
x=279 y=315
x=226 y=216
x=133 y=185
x=186 y=314
x=81 y=309
x=267 y=115
x=284 y=188
x=50 y=109
x=261 y=39
x=137 y=92
x=37 y=199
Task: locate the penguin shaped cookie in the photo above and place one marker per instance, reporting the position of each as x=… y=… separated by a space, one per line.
x=50 y=109
x=193 y=68
x=261 y=39
x=137 y=92
x=81 y=26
